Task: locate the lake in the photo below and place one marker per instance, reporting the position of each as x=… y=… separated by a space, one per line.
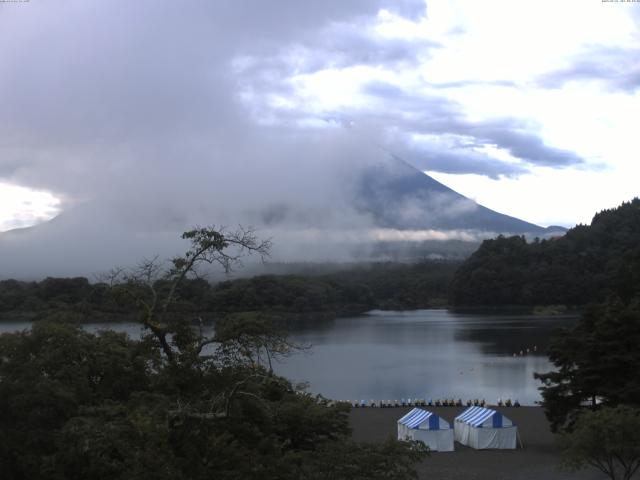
x=387 y=355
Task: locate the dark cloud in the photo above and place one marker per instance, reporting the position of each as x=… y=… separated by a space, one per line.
x=347 y=44
x=103 y=94
x=337 y=45
x=411 y=101
x=473 y=83
x=438 y=158
x=148 y=94
x=152 y=116
x=509 y=135
x=618 y=68
x=424 y=114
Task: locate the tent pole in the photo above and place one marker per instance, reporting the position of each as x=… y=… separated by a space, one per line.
x=519 y=439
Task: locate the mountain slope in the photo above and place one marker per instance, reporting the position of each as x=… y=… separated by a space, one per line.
x=384 y=210
x=401 y=196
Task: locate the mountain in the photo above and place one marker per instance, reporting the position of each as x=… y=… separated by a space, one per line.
x=401 y=196
x=383 y=210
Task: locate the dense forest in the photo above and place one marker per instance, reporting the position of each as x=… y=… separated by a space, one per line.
x=354 y=290
x=592 y=395
x=584 y=266
x=175 y=404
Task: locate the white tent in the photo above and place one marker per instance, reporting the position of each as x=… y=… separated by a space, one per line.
x=482 y=428
x=427 y=427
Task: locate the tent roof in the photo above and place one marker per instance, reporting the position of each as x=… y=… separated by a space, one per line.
x=418 y=416
x=476 y=416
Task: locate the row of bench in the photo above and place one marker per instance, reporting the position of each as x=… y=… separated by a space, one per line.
x=428 y=403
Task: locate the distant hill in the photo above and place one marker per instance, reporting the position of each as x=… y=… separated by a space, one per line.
x=586 y=265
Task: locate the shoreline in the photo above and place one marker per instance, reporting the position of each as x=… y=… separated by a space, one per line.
x=538 y=459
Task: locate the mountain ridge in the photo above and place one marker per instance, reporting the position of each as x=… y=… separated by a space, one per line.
x=417 y=216
x=386 y=190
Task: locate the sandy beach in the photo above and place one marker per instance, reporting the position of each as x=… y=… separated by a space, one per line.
x=537 y=460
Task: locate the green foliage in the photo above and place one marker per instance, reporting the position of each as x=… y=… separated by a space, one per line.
x=354 y=461
x=108 y=441
x=73 y=296
x=350 y=291
x=174 y=405
x=402 y=286
x=74 y=405
x=596 y=363
x=586 y=265
x=608 y=439
x=48 y=374
x=353 y=290
x=287 y=294
x=64 y=290
x=252 y=339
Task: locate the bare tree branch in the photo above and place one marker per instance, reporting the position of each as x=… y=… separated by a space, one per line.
x=207 y=246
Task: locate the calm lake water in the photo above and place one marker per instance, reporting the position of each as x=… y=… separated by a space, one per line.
x=426 y=354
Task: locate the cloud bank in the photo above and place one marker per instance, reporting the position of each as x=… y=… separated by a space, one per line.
x=148 y=117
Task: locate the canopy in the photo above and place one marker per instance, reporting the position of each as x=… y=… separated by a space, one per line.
x=424 y=419
x=482 y=428
x=483 y=417
x=427 y=427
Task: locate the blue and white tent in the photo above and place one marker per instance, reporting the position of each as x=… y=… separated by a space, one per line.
x=427 y=427
x=482 y=428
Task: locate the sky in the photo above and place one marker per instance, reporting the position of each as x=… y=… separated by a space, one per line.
x=166 y=109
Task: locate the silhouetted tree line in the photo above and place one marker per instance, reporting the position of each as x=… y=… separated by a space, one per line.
x=74 y=405
x=596 y=361
x=385 y=285
x=592 y=397
x=587 y=265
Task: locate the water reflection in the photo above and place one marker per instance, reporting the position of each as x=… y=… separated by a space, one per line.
x=414 y=354
x=425 y=354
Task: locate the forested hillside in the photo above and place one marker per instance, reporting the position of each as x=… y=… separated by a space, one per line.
x=584 y=266
x=354 y=290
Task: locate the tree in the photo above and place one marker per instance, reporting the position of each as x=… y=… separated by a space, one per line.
x=354 y=461
x=176 y=404
x=608 y=439
x=154 y=286
x=48 y=375
x=596 y=363
x=587 y=264
x=252 y=339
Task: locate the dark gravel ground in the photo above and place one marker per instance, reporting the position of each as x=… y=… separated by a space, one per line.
x=538 y=459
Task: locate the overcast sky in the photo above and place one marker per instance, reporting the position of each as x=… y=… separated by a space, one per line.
x=528 y=107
